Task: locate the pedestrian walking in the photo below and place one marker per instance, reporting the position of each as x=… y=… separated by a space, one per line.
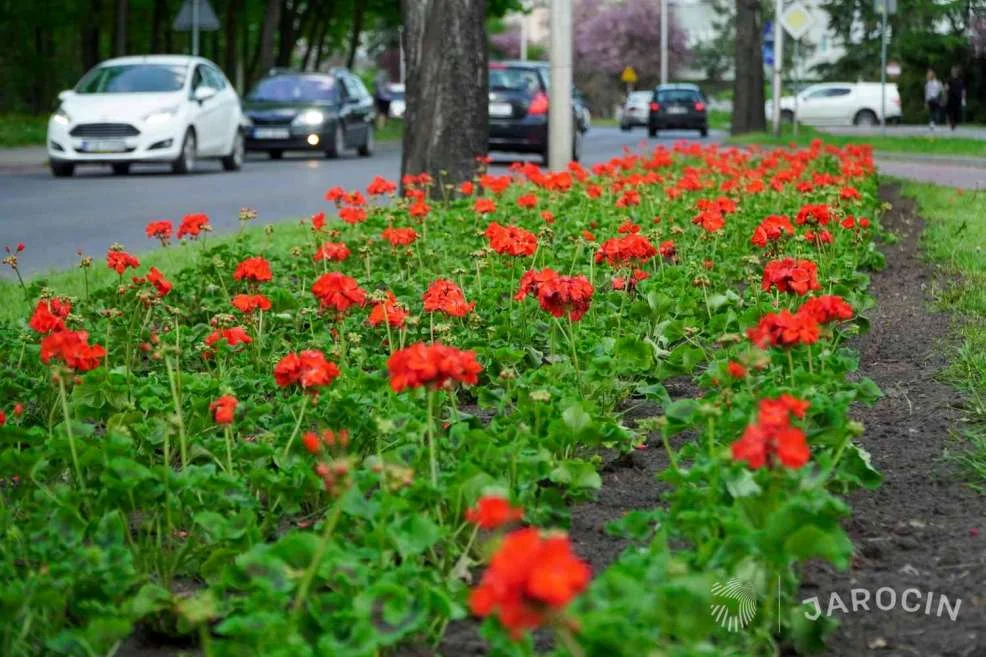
x=955 y=93
x=932 y=97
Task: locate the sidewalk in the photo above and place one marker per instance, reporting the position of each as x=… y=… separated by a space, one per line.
x=968 y=174
x=23 y=157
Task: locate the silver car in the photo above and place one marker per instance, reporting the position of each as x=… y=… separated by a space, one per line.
x=636 y=110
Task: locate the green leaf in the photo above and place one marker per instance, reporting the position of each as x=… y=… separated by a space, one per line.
x=576 y=418
x=742 y=484
x=414 y=535
x=576 y=474
x=857 y=467
x=150 y=599
x=633 y=355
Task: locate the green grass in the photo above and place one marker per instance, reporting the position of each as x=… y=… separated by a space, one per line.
x=954 y=237
x=393 y=130
x=170 y=260
x=924 y=145
x=22 y=130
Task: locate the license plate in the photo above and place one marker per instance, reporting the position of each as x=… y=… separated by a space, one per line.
x=104 y=146
x=271 y=133
x=501 y=110
x=677 y=110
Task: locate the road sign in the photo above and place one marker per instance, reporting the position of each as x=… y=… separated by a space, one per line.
x=891 y=6
x=893 y=69
x=797 y=20
x=629 y=75
x=767 y=52
x=186 y=19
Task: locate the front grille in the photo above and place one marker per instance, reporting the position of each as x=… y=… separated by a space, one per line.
x=271 y=119
x=104 y=130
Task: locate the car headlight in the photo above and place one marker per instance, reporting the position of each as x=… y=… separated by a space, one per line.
x=61 y=116
x=161 y=116
x=310 y=118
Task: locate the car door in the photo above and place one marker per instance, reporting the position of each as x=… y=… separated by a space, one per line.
x=365 y=108
x=349 y=113
x=835 y=107
x=811 y=105
x=207 y=115
x=227 y=108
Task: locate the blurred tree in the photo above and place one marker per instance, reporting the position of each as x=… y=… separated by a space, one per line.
x=748 y=86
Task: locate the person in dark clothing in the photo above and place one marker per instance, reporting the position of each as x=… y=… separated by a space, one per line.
x=955 y=98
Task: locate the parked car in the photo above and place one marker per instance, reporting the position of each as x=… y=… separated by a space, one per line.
x=678 y=107
x=398 y=104
x=519 y=109
x=327 y=112
x=160 y=108
x=839 y=104
x=636 y=110
x=582 y=110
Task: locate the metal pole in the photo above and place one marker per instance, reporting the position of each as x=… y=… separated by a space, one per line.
x=778 y=65
x=560 y=129
x=195 y=28
x=883 y=69
x=664 y=41
x=400 y=32
x=523 y=37
x=794 y=64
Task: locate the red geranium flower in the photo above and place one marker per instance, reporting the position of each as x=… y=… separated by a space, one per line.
x=492 y=511
x=467 y=188
x=666 y=249
x=820 y=214
x=628 y=228
x=566 y=294
x=531 y=577
x=73 y=349
x=119 y=260
x=255 y=269
x=790 y=275
x=736 y=370
x=621 y=283
x=160 y=283
x=495 y=184
x=511 y=240
x=622 y=251
x=484 y=206
x=318 y=221
x=49 y=315
x=400 y=236
x=231 y=336
x=334 y=251
x=193 y=224
x=772 y=439
x=828 y=308
x=223 y=409
x=784 y=329
x=352 y=215
x=445 y=296
x=309 y=369
x=771 y=229
x=248 y=303
x=338 y=291
x=335 y=194
x=388 y=311
x=419 y=209
x=380 y=186
x=159 y=230
x=527 y=201
x=431 y=365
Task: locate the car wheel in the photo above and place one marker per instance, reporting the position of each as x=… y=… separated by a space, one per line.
x=234 y=161
x=704 y=132
x=62 y=169
x=865 y=118
x=787 y=116
x=625 y=127
x=651 y=131
x=121 y=169
x=186 y=158
x=275 y=155
x=366 y=150
x=338 y=143
x=576 y=146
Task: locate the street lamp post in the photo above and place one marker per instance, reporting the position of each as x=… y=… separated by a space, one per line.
x=560 y=132
x=664 y=41
x=778 y=64
x=195 y=28
x=883 y=67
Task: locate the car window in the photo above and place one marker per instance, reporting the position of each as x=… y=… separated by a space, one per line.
x=836 y=92
x=214 y=78
x=296 y=88
x=132 y=78
x=815 y=94
x=515 y=79
x=640 y=97
x=349 y=85
x=669 y=96
x=198 y=78
x=360 y=88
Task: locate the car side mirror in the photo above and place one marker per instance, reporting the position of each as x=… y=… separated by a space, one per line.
x=203 y=94
x=62 y=95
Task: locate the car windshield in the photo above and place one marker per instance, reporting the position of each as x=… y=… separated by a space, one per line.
x=639 y=97
x=296 y=88
x=677 y=96
x=514 y=79
x=133 y=78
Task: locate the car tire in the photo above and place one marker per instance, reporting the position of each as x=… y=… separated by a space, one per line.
x=576 y=146
x=61 y=169
x=234 y=161
x=185 y=163
x=625 y=127
x=787 y=117
x=865 y=118
x=651 y=131
x=338 y=145
x=275 y=155
x=121 y=169
x=704 y=132
x=366 y=149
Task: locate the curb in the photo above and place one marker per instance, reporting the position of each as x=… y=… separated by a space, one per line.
x=946 y=160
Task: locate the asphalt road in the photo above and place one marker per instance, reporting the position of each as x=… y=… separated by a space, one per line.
x=56 y=218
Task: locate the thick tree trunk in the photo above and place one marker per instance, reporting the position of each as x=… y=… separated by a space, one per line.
x=359 y=10
x=265 y=49
x=159 y=19
x=286 y=36
x=230 y=22
x=319 y=26
x=447 y=89
x=120 y=32
x=748 y=98
x=90 y=35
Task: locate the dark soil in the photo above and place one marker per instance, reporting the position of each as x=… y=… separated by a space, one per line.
x=923 y=528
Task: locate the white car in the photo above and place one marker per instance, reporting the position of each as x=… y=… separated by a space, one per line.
x=839 y=104
x=397 y=101
x=636 y=110
x=161 y=108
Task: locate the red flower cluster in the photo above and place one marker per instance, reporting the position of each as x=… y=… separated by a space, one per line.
x=309 y=369
x=119 y=260
x=432 y=365
x=223 y=409
x=338 y=291
x=400 y=236
x=622 y=251
x=527 y=201
x=231 y=336
x=193 y=224
x=667 y=249
x=352 y=215
x=557 y=294
x=532 y=576
x=380 y=186
x=484 y=206
x=159 y=230
x=255 y=269
x=819 y=214
x=784 y=329
x=495 y=184
x=160 y=283
x=511 y=240
x=445 y=296
x=388 y=312
x=314 y=442
x=621 y=283
x=49 y=315
x=73 y=349
x=318 y=221
x=248 y=303
x=790 y=275
x=771 y=229
x=772 y=439
x=628 y=227
x=629 y=198
x=828 y=308
x=333 y=251
x=492 y=511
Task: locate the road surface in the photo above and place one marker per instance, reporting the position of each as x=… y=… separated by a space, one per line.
x=58 y=218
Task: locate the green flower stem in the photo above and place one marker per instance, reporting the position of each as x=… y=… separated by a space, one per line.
x=297 y=426
x=71 y=436
x=182 y=437
x=432 y=458
x=229 y=448
x=566 y=639
x=323 y=546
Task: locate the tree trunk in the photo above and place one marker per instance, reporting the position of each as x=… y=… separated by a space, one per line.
x=233 y=10
x=285 y=34
x=319 y=27
x=748 y=92
x=264 y=59
x=359 y=10
x=120 y=33
x=159 y=19
x=90 y=35
x=447 y=89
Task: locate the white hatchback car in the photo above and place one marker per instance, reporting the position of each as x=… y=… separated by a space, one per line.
x=840 y=104
x=159 y=108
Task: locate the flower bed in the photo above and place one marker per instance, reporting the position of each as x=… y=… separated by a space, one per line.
x=340 y=446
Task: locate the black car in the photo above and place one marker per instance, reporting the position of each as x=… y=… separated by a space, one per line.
x=327 y=112
x=678 y=107
x=519 y=110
